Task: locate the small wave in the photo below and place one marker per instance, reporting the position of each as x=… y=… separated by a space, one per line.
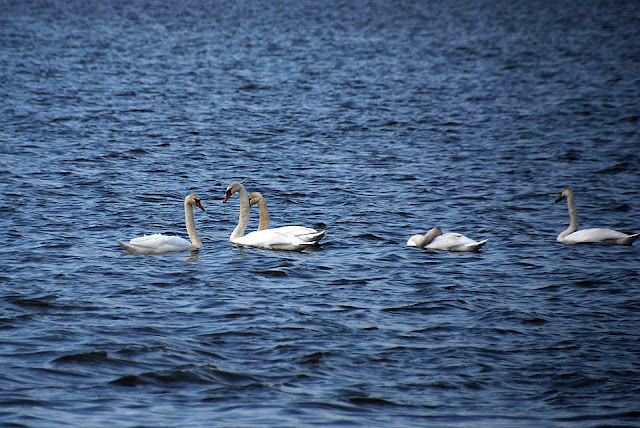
x=370 y=236
x=346 y=281
x=273 y=272
x=139 y=110
x=632 y=118
x=86 y=357
x=128 y=381
x=186 y=375
x=28 y=302
x=614 y=169
x=443 y=385
x=313 y=358
x=374 y=401
x=535 y=321
x=173 y=377
x=418 y=307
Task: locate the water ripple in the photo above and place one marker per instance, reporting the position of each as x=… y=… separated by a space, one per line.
x=374 y=121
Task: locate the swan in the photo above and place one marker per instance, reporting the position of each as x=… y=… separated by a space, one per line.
x=574 y=236
x=436 y=240
x=305 y=233
x=160 y=244
x=268 y=239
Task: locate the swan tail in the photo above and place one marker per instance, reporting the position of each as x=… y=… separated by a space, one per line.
x=309 y=240
x=137 y=249
x=131 y=249
x=313 y=238
x=629 y=239
x=475 y=246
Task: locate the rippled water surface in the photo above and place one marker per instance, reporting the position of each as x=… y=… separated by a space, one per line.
x=375 y=120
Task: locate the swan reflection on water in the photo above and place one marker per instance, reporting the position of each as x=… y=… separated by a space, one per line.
x=192 y=256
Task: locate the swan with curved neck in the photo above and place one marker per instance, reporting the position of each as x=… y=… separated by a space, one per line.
x=267 y=239
x=436 y=240
x=305 y=233
x=574 y=236
x=160 y=244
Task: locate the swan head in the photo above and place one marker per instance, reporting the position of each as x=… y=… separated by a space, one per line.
x=193 y=200
x=566 y=192
x=231 y=189
x=254 y=198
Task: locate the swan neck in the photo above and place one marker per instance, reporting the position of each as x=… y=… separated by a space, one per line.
x=264 y=215
x=573 y=218
x=424 y=240
x=243 y=220
x=573 y=214
x=191 y=226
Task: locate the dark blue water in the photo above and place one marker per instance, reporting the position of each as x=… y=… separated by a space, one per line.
x=375 y=120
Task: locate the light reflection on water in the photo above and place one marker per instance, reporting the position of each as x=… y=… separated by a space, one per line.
x=376 y=123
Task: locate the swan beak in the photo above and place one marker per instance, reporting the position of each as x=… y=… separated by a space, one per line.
x=226 y=198
x=559 y=198
x=199 y=205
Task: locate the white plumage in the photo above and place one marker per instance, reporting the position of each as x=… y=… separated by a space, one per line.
x=160 y=244
x=574 y=236
x=436 y=240
x=305 y=233
x=267 y=239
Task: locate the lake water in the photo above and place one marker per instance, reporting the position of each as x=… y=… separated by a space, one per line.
x=375 y=120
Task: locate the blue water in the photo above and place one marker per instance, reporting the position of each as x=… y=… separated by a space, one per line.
x=375 y=120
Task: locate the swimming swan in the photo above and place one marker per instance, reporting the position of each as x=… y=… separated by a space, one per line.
x=267 y=239
x=159 y=244
x=305 y=233
x=574 y=236
x=436 y=240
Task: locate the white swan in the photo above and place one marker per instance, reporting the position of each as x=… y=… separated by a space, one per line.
x=305 y=233
x=160 y=244
x=266 y=239
x=436 y=240
x=574 y=236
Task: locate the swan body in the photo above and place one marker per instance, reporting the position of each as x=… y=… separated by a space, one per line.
x=436 y=240
x=161 y=244
x=574 y=236
x=305 y=233
x=156 y=244
x=266 y=239
x=272 y=240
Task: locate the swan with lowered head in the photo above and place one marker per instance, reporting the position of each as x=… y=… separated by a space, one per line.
x=266 y=239
x=574 y=236
x=305 y=233
x=436 y=240
x=160 y=244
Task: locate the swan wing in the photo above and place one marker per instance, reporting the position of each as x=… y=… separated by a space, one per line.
x=307 y=234
x=271 y=239
x=156 y=244
x=605 y=236
x=473 y=246
x=296 y=230
x=454 y=242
